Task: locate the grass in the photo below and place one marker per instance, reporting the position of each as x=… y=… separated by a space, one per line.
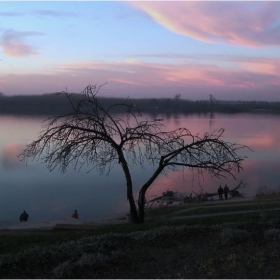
x=159 y=248
x=17 y=241
x=202 y=208
x=230 y=208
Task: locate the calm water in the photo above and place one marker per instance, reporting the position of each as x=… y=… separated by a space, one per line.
x=45 y=194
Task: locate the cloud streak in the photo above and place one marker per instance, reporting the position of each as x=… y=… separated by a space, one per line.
x=251 y=24
x=13 y=44
x=10 y=14
x=40 y=12
x=52 y=13
x=142 y=79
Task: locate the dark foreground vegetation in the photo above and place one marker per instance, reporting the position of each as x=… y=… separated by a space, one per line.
x=51 y=104
x=233 y=246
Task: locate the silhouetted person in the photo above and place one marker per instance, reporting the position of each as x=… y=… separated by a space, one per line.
x=23 y=217
x=226 y=190
x=75 y=215
x=220 y=192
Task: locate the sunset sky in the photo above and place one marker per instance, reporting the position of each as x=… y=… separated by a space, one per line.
x=142 y=49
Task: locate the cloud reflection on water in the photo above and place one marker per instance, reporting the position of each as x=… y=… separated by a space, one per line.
x=9 y=156
x=47 y=194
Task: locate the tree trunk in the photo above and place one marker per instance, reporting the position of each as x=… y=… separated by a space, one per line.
x=129 y=189
x=142 y=193
x=133 y=210
x=141 y=203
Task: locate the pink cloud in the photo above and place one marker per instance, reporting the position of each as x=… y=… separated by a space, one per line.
x=262 y=66
x=153 y=79
x=13 y=44
x=125 y=82
x=147 y=73
x=238 y=23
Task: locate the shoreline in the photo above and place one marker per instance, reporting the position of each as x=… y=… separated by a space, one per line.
x=68 y=222
x=47 y=224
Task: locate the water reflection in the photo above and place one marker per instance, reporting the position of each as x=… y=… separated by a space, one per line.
x=9 y=156
x=45 y=194
x=211 y=120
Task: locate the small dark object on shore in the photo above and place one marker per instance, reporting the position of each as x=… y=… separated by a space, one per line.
x=236 y=194
x=75 y=215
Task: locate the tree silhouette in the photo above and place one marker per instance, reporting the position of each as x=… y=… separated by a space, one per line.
x=94 y=136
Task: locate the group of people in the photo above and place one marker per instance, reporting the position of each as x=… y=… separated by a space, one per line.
x=222 y=191
x=24 y=216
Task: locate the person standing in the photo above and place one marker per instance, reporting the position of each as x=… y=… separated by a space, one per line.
x=226 y=190
x=220 y=192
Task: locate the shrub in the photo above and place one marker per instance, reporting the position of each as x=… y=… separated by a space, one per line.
x=166 y=231
x=92 y=259
x=98 y=259
x=265 y=191
x=226 y=225
x=64 y=270
x=234 y=236
x=207 y=266
x=272 y=234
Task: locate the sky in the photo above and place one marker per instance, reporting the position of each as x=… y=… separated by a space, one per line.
x=142 y=49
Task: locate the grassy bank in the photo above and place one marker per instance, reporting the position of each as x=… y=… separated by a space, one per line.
x=231 y=246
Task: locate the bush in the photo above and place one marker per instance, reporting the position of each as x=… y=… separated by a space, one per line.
x=92 y=259
x=227 y=225
x=232 y=236
x=98 y=259
x=265 y=191
x=64 y=270
x=166 y=231
x=272 y=234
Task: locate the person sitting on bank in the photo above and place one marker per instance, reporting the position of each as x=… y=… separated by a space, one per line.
x=75 y=215
x=23 y=217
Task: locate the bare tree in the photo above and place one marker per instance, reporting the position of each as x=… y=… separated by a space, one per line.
x=94 y=136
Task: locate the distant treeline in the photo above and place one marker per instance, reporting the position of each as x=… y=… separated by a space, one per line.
x=52 y=104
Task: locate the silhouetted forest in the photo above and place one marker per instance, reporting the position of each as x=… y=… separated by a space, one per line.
x=52 y=104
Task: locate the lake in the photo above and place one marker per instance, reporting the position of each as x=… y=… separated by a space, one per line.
x=45 y=194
